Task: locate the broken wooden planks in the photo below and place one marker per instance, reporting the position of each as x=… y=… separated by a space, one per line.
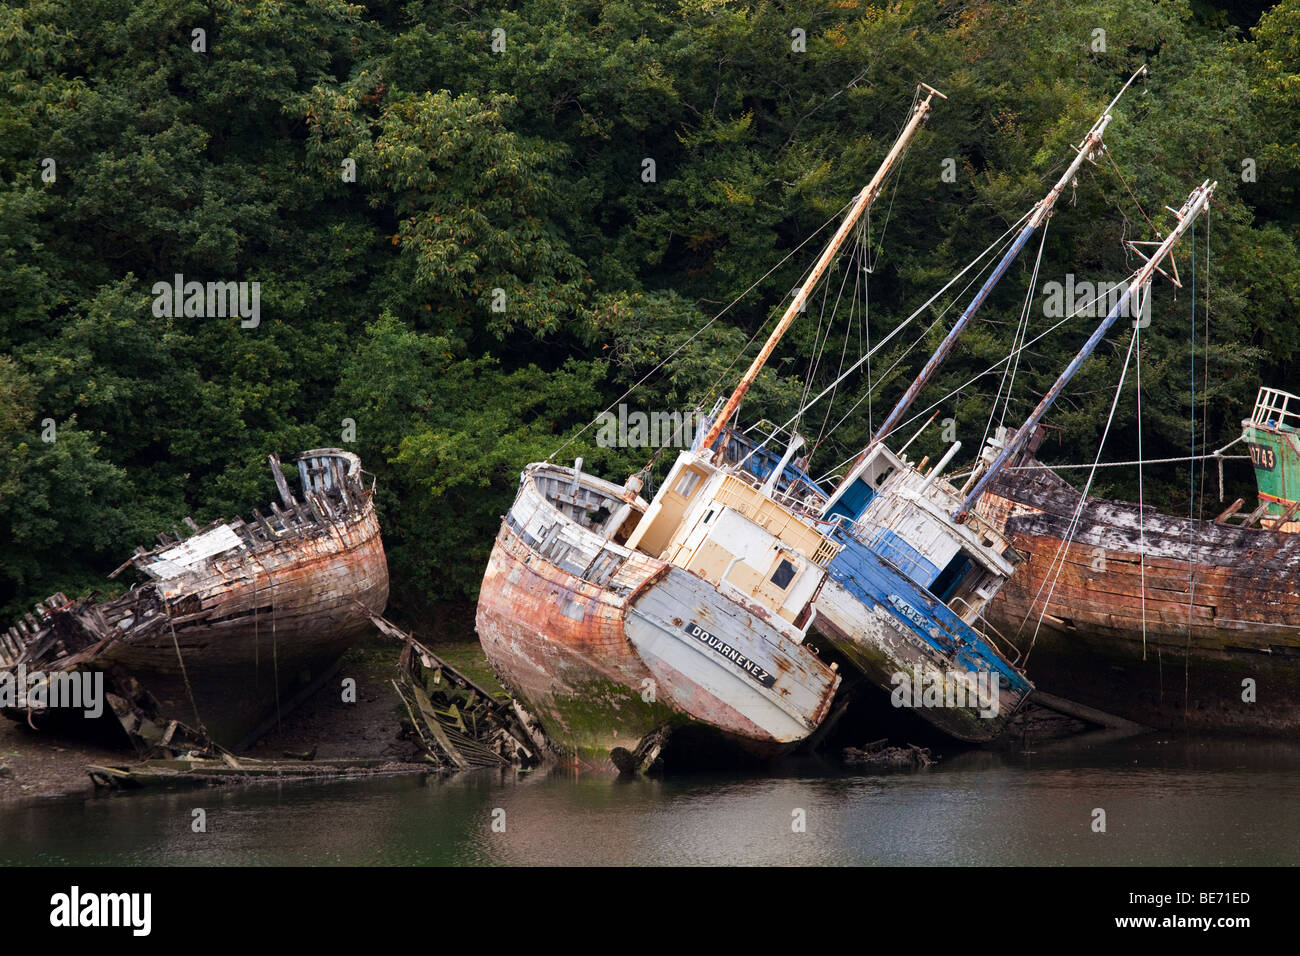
x=460 y=724
x=195 y=771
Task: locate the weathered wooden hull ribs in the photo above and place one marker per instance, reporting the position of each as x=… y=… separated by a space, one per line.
x=235 y=623
x=1161 y=620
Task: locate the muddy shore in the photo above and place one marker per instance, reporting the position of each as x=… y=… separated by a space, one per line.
x=35 y=764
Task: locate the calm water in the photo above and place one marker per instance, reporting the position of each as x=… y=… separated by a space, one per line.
x=1166 y=802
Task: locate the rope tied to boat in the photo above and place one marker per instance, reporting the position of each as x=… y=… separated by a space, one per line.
x=180 y=659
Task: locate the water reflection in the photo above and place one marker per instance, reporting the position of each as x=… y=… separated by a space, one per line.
x=1167 y=801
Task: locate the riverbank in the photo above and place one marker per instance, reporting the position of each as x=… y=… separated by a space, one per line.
x=35 y=764
x=368 y=726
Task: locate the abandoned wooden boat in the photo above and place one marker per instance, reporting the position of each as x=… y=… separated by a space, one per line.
x=232 y=624
x=607 y=644
x=1167 y=621
x=615 y=619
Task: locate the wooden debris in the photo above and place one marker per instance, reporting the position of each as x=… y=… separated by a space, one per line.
x=1090 y=715
x=879 y=754
x=645 y=757
x=460 y=724
x=199 y=771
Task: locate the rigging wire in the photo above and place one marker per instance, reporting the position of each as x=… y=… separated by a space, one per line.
x=975 y=378
x=820 y=342
x=700 y=331
x=1216 y=455
x=994 y=246
x=844 y=349
x=1022 y=329
x=1073 y=527
x=1142 y=511
x=1124 y=182
x=1191 y=495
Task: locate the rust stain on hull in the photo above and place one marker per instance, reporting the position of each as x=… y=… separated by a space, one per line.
x=1151 y=616
x=223 y=641
x=558 y=643
x=592 y=636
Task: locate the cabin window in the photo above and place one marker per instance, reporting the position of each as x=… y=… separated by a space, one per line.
x=687 y=483
x=783 y=574
x=708 y=516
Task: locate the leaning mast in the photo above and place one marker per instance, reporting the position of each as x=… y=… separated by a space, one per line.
x=1196 y=202
x=1087 y=148
x=860 y=205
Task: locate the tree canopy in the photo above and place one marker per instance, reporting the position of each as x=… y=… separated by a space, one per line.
x=476 y=226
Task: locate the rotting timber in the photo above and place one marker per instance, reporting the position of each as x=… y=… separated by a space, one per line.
x=459 y=724
x=233 y=625
x=1156 y=617
x=455 y=724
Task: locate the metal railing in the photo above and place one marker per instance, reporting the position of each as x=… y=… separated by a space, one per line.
x=1274 y=408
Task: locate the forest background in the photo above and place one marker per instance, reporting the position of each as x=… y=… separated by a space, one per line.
x=475 y=226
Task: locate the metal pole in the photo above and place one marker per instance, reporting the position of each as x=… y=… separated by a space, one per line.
x=863 y=202
x=1199 y=198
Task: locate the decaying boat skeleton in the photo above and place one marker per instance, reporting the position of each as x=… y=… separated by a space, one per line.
x=1166 y=620
x=233 y=625
x=615 y=618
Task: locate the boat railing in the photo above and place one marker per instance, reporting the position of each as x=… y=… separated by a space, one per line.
x=1275 y=408
x=794 y=498
x=992 y=632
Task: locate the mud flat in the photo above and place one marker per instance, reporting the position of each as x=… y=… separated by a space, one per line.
x=35 y=764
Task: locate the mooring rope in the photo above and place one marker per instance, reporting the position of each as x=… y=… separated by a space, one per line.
x=184 y=673
x=700 y=331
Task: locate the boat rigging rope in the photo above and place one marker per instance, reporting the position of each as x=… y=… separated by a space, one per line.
x=996 y=245
x=858 y=276
x=1122 y=464
x=884 y=377
x=700 y=331
x=1073 y=528
x=1205 y=369
x=1022 y=329
x=275 y=651
x=1191 y=493
x=1142 y=511
x=819 y=341
x=1124 y=182
x=975 y=378
x=184 y=674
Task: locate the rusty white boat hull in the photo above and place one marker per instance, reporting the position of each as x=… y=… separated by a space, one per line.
x=1172 y=646
x=605 y=645
x=224 y=642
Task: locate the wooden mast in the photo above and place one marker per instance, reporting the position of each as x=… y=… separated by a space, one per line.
x=860 y=205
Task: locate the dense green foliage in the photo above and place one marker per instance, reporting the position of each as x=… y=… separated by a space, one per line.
x=521 y=169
